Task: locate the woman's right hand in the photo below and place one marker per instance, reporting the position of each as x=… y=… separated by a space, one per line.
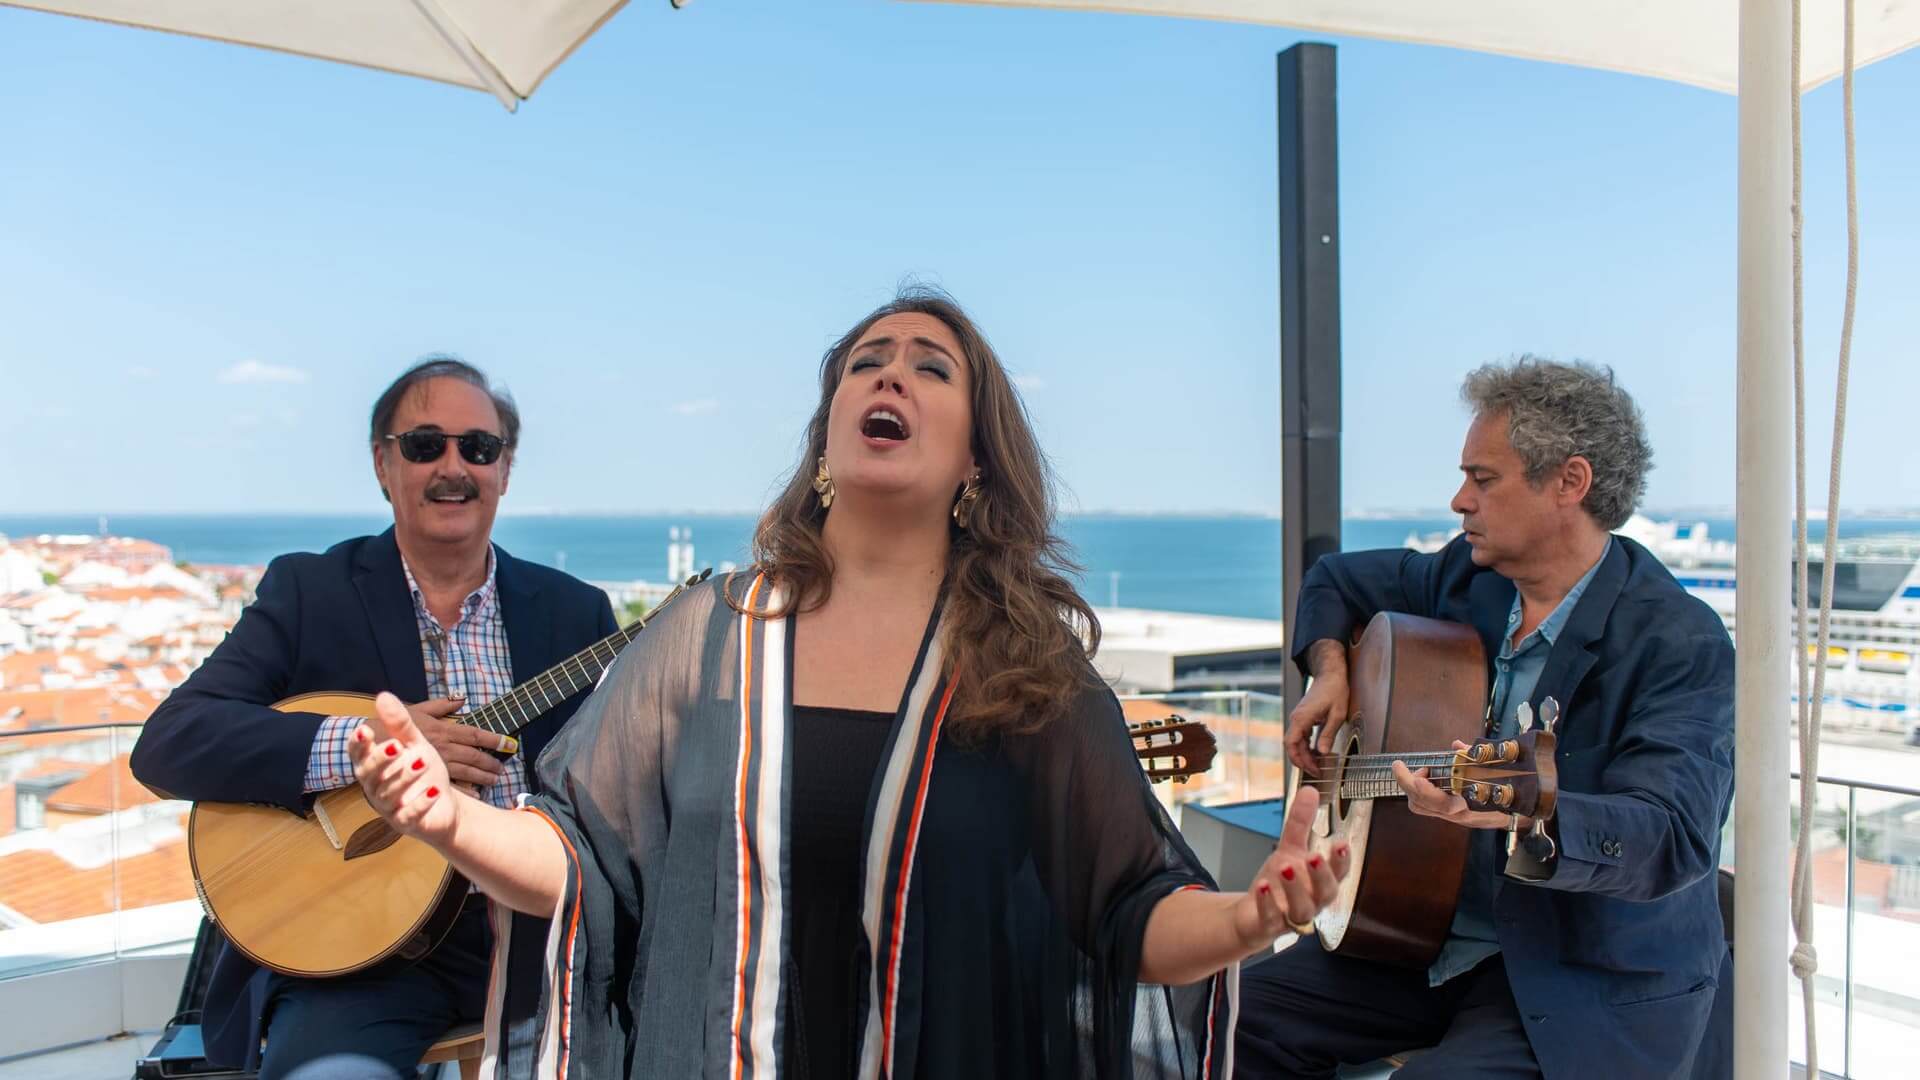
x=1295 y=883
x=402 y=774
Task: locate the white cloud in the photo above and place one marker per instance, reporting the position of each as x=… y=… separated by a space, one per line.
x=696 y=408
x=1029 y=382
x=253 y=371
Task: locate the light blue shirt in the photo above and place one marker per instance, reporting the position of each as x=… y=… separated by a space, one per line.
x=1516 y=671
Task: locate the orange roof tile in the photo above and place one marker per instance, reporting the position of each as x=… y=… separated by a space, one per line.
x=44 y=888
x=26 y=668
x=37 y=707
x=107 y=788
x=81 y=705
x=56 y=766
x=132 y=594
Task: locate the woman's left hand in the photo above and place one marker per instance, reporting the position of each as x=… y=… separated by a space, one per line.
x=1294 y=883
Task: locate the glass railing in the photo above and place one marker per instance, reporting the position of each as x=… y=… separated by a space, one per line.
x=1248 y=729
x=93 y=866
x=1865 y=872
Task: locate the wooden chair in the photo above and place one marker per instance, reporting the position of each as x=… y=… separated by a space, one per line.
x=462 y=1044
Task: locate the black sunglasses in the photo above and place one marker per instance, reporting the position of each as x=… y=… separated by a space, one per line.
x=423 y=445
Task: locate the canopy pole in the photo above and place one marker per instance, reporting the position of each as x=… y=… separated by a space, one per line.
x=1309 y=326
x=1763 y=488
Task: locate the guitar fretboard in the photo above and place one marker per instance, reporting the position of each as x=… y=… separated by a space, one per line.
x=525 y=703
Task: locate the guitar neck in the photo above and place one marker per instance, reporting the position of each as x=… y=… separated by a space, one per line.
x=508 y=713
x=1370 y=776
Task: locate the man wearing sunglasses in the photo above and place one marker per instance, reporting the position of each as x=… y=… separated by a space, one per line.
x=430 y=609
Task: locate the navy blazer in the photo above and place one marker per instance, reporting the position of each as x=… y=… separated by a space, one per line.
x=343 y=620
x=1614 y=958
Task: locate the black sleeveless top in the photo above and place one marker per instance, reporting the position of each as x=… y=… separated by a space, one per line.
x=835 y=753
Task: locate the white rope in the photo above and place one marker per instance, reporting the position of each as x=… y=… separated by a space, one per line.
x=1804 y=960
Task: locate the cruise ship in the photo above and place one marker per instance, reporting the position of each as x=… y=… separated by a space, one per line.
x=1873 y=652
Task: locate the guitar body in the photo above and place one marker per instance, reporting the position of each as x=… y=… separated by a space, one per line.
x=1414 y=684
x=303 y=899
x=336 y=891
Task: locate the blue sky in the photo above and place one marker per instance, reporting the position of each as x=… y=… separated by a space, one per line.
x=212 y=259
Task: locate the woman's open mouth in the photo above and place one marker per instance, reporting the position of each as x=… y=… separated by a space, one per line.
x=884 y=425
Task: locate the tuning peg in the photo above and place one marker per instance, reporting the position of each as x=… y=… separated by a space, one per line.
x=1537 y=844
x=1549 y=714
x=1525 y=716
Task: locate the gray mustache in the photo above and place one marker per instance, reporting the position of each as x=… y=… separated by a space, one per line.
x=464 y=488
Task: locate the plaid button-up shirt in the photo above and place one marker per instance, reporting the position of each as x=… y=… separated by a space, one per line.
x=471 y=658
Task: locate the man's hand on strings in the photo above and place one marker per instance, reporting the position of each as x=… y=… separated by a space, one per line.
x=1426 y=798
x=467 y=750
x=1323 y=708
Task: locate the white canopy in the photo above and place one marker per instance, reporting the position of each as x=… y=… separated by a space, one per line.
x=1690 y=42
x=504 y=47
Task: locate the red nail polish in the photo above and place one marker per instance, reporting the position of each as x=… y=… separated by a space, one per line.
x=433 y=793
x=1265 y=888
x=360 y=735
x=1287 y=872
x=392 y=750
x=1314 y=863
x=1341 y=851
x=418 y=765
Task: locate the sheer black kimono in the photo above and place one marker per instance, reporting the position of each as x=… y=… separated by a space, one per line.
x=1005 y=883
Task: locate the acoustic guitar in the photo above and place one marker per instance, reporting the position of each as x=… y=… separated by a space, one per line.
x=336 y=890
x=1415 y=686
x=1174 y=748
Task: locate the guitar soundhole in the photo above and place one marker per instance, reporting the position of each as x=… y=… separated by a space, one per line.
x=1351 y=748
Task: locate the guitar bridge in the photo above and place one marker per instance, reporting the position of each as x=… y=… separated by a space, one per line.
x=326 y=824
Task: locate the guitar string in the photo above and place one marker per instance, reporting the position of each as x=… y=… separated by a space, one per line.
x=498 y=715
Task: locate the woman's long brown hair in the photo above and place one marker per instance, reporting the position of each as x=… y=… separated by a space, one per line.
x=1014 y=622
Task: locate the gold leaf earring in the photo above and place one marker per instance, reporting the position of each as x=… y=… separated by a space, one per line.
x=969 y=495
x=823 y=484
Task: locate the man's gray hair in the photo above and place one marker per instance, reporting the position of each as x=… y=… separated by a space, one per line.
x=1556 y=411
